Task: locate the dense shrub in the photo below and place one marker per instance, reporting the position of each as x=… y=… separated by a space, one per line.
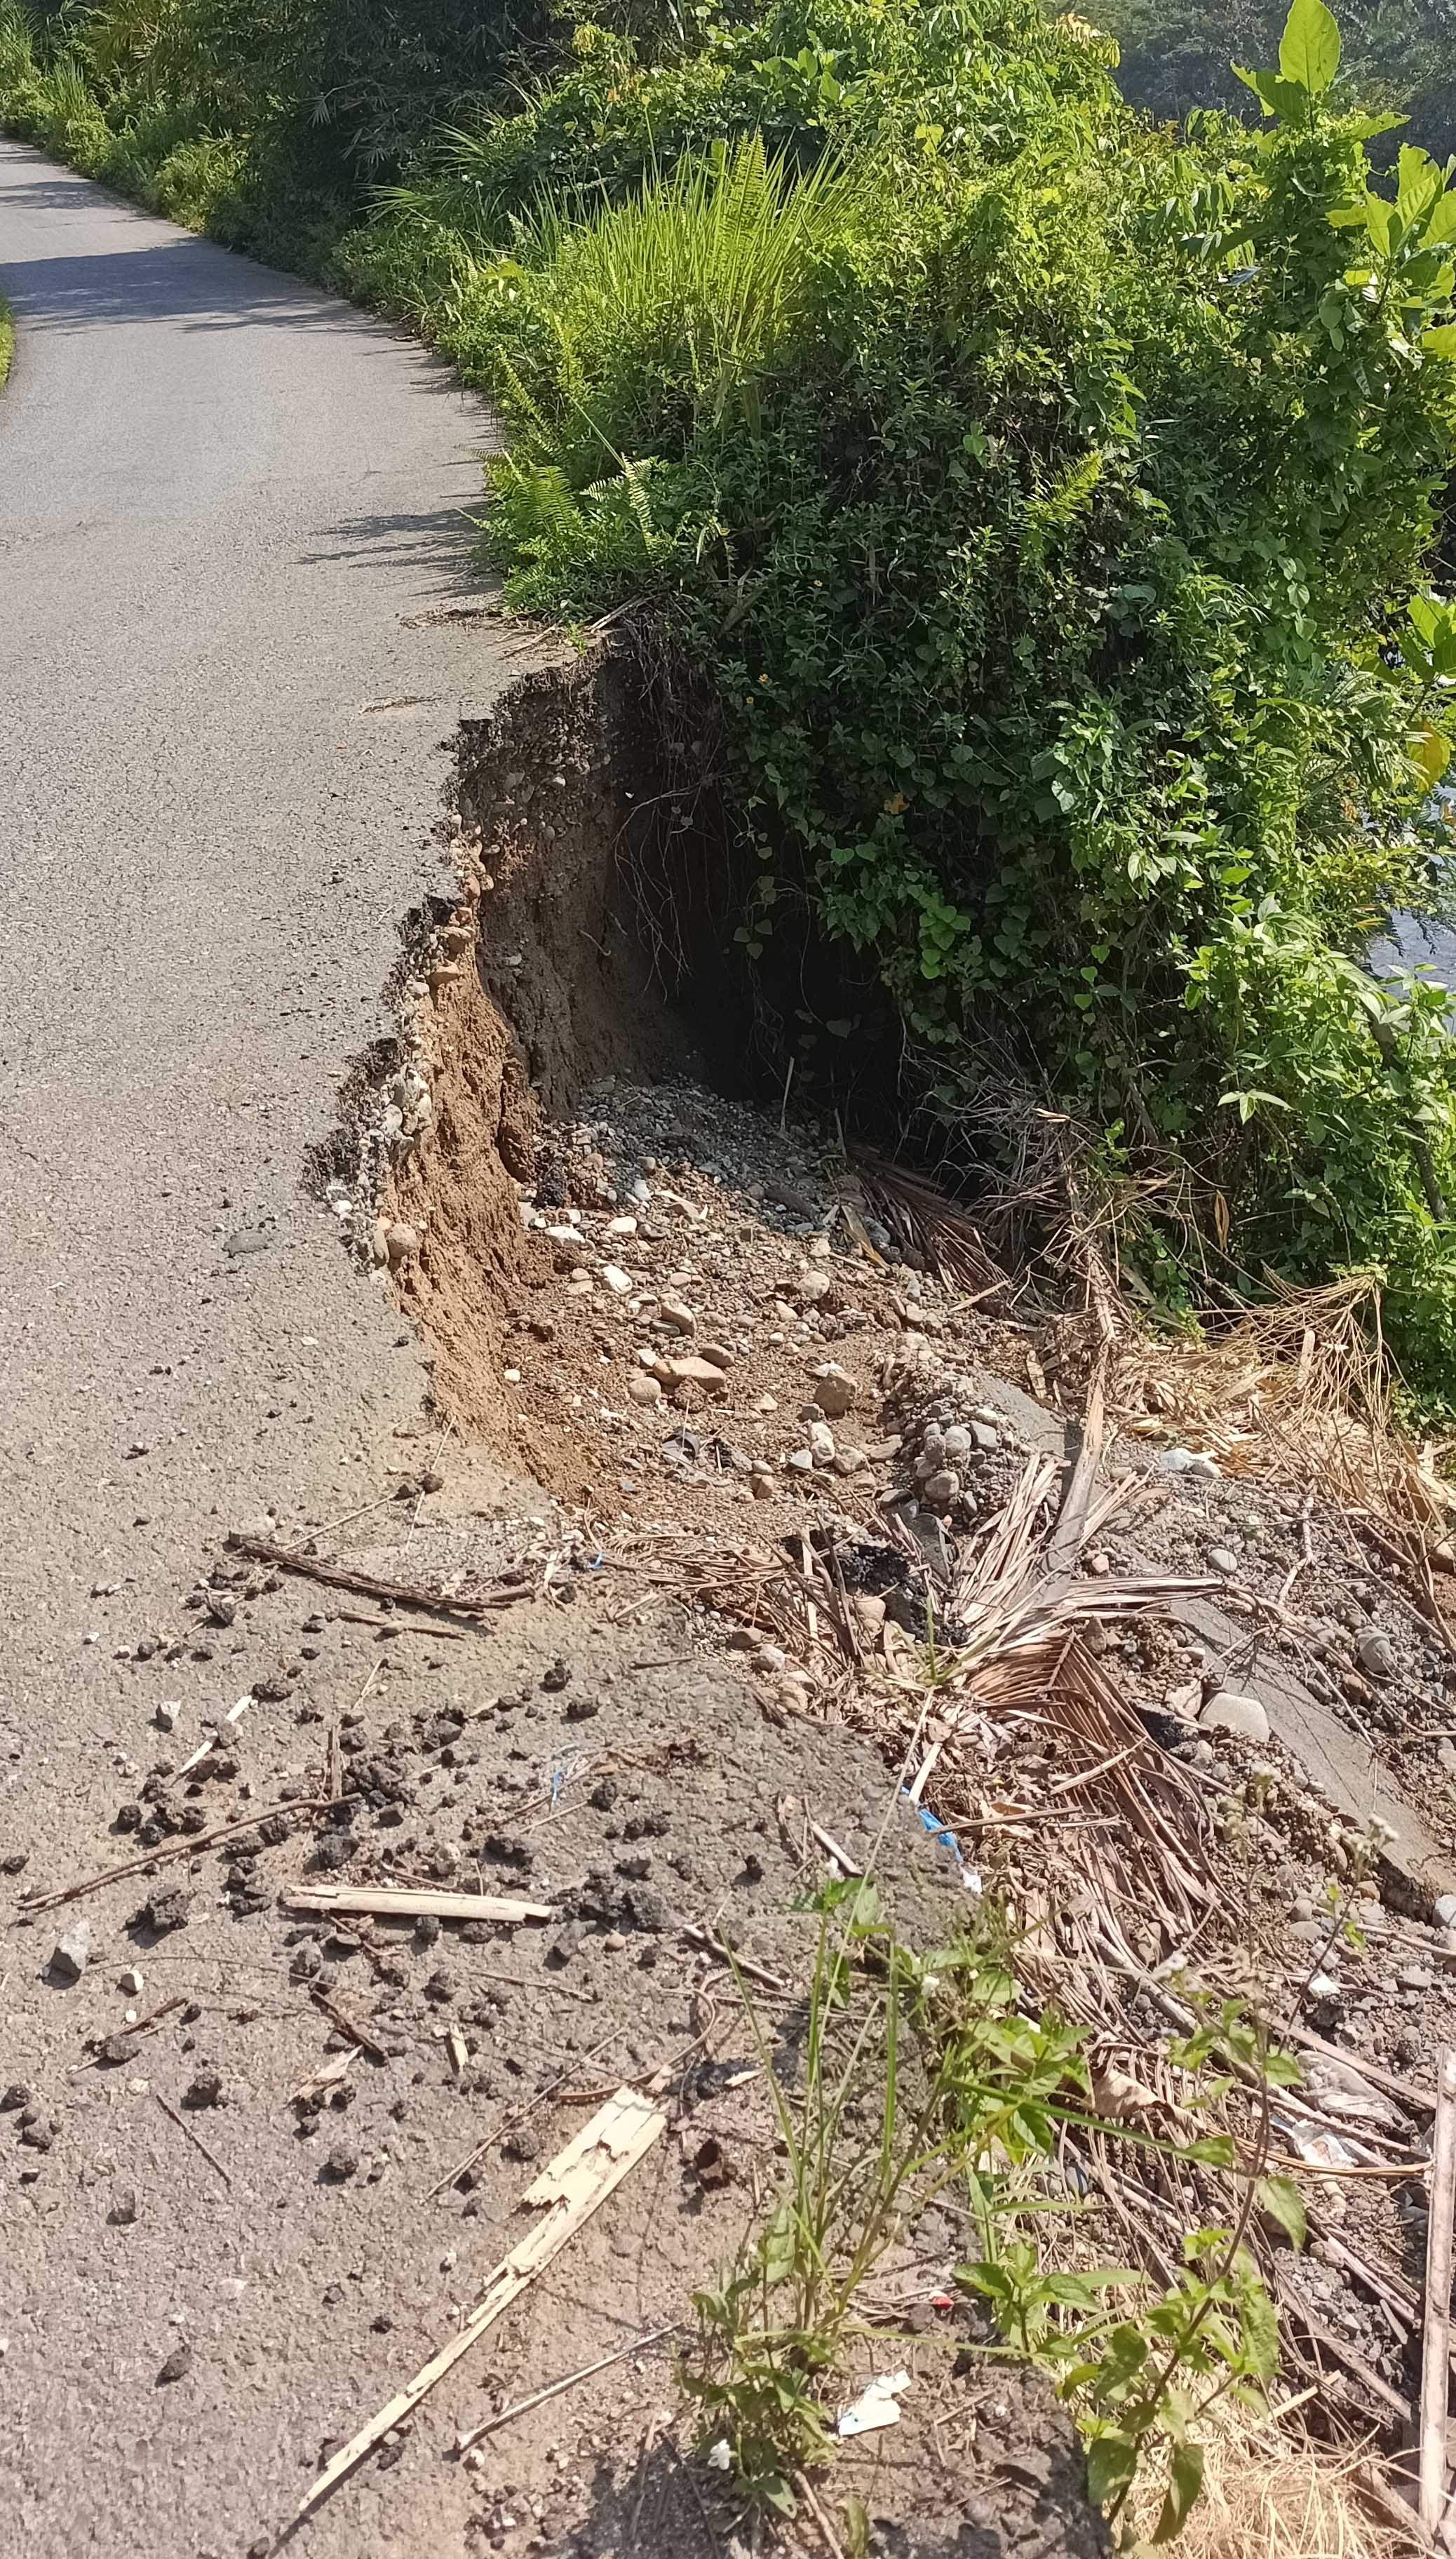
x=1047 y=552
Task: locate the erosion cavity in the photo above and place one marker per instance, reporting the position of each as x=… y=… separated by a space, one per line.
x=587 y=941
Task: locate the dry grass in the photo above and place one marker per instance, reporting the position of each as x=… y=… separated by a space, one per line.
x=1300 y=1386
x=1297 y=1389
x=1267 y=2495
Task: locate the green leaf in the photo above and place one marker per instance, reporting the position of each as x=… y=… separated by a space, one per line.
x=1439 y=342
x=1185 y=2478
x=1123 y=2357
x=778 y=2246
x=1110 y=2463
x=1214 y=2150
x=1442 y=225
x=1281 y=2199
x=1417 y=183
x=1430 y=753
x=1282 y=98
x=1282 y=2070
x=854 y=2530
x=1309 y=49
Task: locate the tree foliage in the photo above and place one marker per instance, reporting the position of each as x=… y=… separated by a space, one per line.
x=1176 y=56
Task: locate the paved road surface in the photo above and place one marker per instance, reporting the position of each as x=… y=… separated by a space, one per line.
x=221 y=496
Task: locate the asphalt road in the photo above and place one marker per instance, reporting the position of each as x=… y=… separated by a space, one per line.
x=224 y=501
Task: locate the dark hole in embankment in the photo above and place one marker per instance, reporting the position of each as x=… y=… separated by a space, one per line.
x=596 y=937
x=610 y=937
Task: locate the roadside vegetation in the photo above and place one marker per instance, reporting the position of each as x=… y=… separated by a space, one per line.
x=1047 y=503
x=7 y=342
x=917 y=2079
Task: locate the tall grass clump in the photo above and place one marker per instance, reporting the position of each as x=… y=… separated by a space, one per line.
x=658 y=315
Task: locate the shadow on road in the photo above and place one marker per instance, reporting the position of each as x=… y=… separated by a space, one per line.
x=190 y=280
x=431 y=541
x=45 y=195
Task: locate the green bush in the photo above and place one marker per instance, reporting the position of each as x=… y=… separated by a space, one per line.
x=1050 y=568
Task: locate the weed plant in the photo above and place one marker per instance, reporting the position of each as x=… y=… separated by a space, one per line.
x=919 y=2080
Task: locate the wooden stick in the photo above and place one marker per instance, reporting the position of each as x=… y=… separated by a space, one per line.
x=346 y=2025
x=190 y=1846
x=397 y=1902
x=568 y=2381
x=578 y=2180
x=147 y=2024
x=1298 y=2167
x=712 y=1946
x=403 y=1594
x=831 y=2538
x=195 y=2138
x=831 y=1847
x=1435 y=2368
x=385 y=1626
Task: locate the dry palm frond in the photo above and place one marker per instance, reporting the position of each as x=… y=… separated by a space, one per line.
x=920 y=1214
x=1300 y=1386
x=1006 y=1661
x=1020 y=1620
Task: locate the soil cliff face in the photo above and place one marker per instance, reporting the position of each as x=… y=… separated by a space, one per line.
x=576 y=833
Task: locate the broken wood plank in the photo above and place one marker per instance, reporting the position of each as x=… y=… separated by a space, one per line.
x=402 y=1901
x=1435 y=2355
x=567 y=2193
x=400 y=1595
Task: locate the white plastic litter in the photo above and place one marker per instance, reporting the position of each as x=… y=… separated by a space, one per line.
x=876 y=2406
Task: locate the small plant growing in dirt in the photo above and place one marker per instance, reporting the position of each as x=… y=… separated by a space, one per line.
x=918 y=2077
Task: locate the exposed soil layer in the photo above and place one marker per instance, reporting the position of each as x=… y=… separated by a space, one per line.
x=550 y=970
